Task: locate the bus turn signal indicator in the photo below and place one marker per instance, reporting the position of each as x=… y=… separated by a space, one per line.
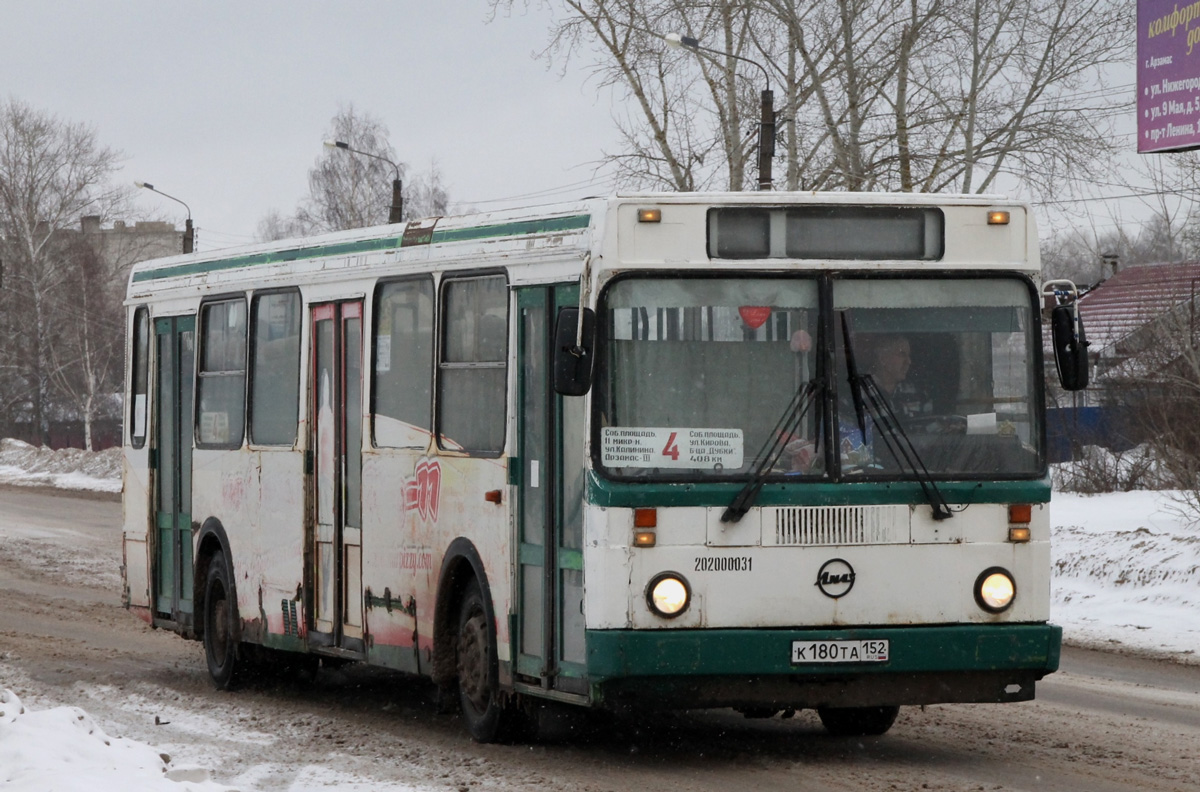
x=644 y=523
x=1020 y=513
x=1019 y=517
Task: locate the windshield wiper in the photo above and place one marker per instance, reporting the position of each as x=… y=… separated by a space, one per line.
x=852 y=375
x=769 y=454
x=894 y=437
x=901 y=446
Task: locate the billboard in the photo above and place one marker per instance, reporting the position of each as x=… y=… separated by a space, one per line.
x=1168 y=75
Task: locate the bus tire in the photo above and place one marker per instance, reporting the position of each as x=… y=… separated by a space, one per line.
x=486 y=717
x=857 y=721
x=220 y=620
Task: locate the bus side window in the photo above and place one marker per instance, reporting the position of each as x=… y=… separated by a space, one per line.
x=222 y=374
x=403 y=380
x=275 y=381
x=474 y=363
x=139 y=379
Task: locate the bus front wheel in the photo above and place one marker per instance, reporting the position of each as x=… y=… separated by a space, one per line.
x=857 y=721
x=486 y=717
x=220 y=618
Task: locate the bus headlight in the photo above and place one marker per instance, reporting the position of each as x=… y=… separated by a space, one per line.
x=995 y=590
x=668 y=594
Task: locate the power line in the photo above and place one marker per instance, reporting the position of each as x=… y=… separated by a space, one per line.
x=1146 y=194
x=604 y=184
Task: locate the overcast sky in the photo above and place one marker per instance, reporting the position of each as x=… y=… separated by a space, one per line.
x=225 y=104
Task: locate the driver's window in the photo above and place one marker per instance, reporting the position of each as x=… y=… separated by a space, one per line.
x=943 y=363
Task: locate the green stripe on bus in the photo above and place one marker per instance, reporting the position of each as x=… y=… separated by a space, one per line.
x=944 y=648
x=523 y=228
x=548 y=225
x=608 y=493
x=274 y=257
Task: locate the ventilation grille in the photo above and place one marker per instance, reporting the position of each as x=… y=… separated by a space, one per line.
x=840 y=525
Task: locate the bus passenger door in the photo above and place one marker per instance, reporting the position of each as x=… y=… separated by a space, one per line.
x=336 y=420
x=549 y=640
x=175 y=351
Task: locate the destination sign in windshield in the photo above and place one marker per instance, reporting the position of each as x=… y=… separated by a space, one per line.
x=655 y=447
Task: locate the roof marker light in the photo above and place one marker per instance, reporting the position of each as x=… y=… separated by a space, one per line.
x=997 y=218
x=649 y=215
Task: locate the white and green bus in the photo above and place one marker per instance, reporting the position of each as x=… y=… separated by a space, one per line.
x=766 y=451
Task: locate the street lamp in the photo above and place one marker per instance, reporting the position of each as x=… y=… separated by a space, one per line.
x=766 y=124
x=397 y=200
x=189 y=233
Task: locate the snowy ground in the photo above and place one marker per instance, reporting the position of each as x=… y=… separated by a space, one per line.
x=68 y=469
x=1126 y=576
x=64 y=750
x=1126 y=573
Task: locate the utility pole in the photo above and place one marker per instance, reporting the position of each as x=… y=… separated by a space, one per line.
x=189 y=231
x=766 y=124
x=396 y=210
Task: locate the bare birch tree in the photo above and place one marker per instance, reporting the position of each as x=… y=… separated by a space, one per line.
x=51 y=173
x=912 y=95
x=1021 y=89
x=88 y=353
x=354 y=190
x=347 y=190
x=426 y=195
x=276 y=225
x=687 y=126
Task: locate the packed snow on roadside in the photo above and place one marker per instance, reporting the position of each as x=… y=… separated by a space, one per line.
x=64 y=750
x=1126 y=573
x=69 y=468
x=1126 y=576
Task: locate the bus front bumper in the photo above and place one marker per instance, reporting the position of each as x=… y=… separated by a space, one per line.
x=776 y=668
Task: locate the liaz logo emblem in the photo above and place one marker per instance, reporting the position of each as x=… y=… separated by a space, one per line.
x=836 y=578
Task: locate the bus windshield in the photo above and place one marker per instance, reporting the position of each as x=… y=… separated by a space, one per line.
x=710 y=377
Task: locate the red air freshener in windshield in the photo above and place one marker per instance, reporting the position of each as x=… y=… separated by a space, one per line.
x=755 y=315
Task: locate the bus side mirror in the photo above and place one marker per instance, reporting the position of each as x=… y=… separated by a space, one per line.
x=574 y=343
x=1070 y=346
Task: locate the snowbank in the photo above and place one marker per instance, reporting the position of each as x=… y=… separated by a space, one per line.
x=62 y=749
x=69 y=468
x=1126 y=573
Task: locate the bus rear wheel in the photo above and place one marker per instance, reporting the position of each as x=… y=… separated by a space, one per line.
x=857 y=721
x=220 y=618
x=486 y=717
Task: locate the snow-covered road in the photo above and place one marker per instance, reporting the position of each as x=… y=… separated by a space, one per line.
x=1127 y=577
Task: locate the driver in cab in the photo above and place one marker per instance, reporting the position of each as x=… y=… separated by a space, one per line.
x=888 y=360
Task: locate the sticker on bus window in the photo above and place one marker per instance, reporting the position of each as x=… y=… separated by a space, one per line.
x=652 y=447
x=383 y=354
x=139 y=415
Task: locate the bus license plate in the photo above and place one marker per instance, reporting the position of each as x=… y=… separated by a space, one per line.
x=875 y=651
